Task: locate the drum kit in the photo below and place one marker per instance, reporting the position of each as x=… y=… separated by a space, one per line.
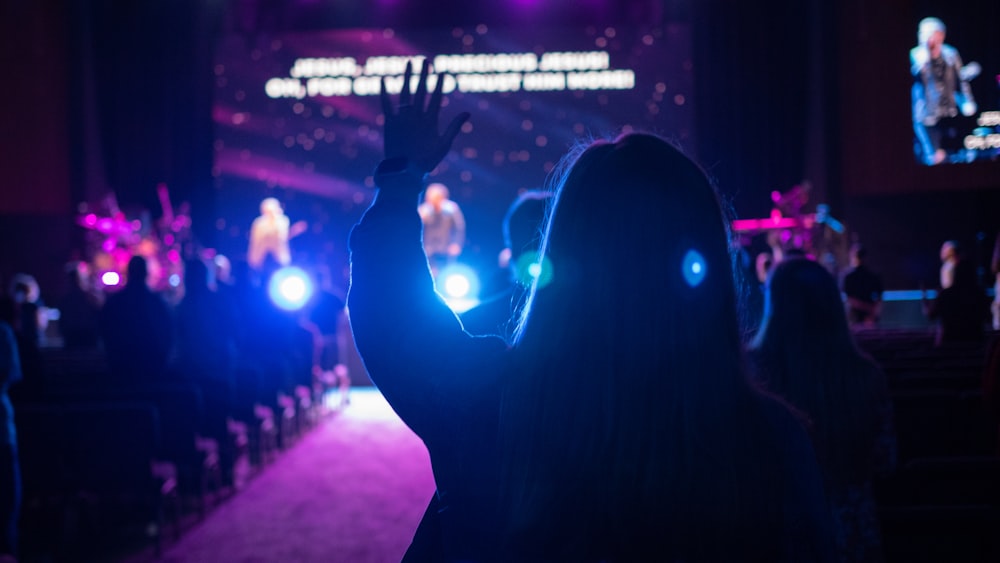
x=790 y=227
x=114 y=238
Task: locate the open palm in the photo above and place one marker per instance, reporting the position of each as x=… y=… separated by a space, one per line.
x=411 y=130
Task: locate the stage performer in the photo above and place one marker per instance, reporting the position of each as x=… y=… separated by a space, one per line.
x=444 y=226
x=270 y=234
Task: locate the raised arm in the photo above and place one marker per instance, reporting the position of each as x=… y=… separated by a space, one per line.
x=412 y=344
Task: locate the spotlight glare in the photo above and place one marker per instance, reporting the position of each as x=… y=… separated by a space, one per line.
x=110 y=278
x=175 y=280
x=290 y=288
x=459 y=285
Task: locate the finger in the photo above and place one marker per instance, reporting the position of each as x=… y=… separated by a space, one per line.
x=454 y=127
x=421 y=96
x=435 y=106
x=386 y=104
x=404 y=95
x=443 y=145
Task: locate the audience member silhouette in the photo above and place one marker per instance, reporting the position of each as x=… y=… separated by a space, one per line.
x=806 y=354
x=206 y=351
x=206 y=343
x=863 y=289
x=752 y=278
x=951 y=254
x=325 y=318
x=137 y=329
x=80 y=309
x=995 y=270
x=24 y=313
x=620 y=424
x=521 y=233
x=10 y=471
x=962 y=309
x=25 y=294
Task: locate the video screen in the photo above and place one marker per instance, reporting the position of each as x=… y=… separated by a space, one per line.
x=955 y=95
x=297 y=119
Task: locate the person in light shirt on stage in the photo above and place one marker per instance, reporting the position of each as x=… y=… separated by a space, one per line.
x=444 y=226
x=269 y=235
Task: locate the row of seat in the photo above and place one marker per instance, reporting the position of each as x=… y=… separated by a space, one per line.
x=942 y=503
x=103 y=465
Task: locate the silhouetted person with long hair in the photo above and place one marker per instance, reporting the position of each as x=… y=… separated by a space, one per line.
x=806 y=354
x=620 y=424
x=137 y=330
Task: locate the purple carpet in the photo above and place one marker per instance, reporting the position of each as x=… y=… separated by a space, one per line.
x=353 y=489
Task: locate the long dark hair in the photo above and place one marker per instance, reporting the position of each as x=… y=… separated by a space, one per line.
x=629 y=420
x=806 y=354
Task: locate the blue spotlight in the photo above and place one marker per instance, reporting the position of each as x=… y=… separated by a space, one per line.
x=459 y=285
x=693 y=268
x=290 y=288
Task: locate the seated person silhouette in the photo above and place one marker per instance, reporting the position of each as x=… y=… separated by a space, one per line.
x=137 y=329
x=805 y=353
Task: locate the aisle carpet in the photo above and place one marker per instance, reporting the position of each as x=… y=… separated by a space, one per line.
x=351 y=490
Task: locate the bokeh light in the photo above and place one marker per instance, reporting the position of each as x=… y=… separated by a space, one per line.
x=530 y=267
x=290 y=288
x=110 y=279
x=459 y=284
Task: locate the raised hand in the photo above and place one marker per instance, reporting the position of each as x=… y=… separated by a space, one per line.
x=411 y=131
